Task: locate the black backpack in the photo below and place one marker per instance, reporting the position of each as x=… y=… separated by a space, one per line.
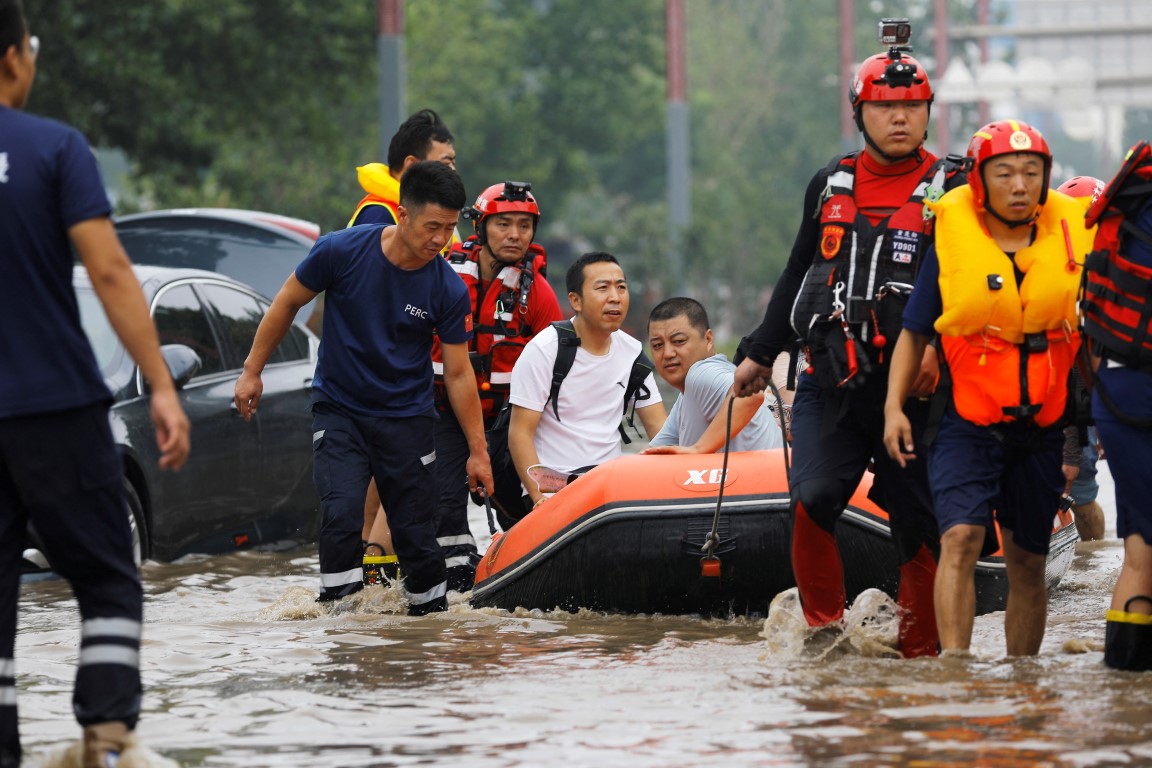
x=566 y=356
x=508 y=491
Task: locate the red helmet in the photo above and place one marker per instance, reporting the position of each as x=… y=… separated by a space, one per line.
x=509 y=197
x=891 y=76
x=1082 y=186
x=1005 y=137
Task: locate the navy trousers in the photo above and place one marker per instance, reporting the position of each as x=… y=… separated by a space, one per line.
x=61 y=471
x=399 y=453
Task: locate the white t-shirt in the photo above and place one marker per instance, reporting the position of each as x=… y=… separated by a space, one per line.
x=591 y=400
x=704 y=397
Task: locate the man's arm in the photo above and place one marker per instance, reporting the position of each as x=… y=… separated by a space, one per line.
x=652 y=417
x=521 y=442
x=119 y=291
x=269 y=334
x=762 y=346
x=460 y=381
x=775 y=331
x=713 y=438
x=904 y=368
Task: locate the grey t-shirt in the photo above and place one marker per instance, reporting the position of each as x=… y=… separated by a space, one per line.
x=705 y=388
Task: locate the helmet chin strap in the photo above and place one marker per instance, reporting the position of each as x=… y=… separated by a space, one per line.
x=1012 y=224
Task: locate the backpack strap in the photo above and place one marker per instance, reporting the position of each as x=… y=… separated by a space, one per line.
x=565 y=357
x=567 y=342
x=635 y=390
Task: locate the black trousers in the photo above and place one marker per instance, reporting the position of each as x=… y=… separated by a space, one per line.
x=61 y=471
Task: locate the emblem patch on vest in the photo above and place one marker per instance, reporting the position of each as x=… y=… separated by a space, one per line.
x=904 y=245
x=830 y=241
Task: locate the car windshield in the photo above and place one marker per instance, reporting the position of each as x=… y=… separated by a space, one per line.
x=98 y=329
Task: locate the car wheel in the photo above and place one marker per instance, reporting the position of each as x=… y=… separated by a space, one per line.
x=141 y=544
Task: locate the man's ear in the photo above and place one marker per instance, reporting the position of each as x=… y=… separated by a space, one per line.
x=402 y=215
x=409 y=161
x=709 y=339
x=574 y=301
x=8 y=61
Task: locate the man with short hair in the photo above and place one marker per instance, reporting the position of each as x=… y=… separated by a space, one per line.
x=423 y=136
x=861 y=240
x=389 y=291
x=999 y=287
x=581 y=427
x=59 y=467
x=684 y=355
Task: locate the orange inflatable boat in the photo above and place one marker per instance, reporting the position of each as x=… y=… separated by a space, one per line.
x=628 y=537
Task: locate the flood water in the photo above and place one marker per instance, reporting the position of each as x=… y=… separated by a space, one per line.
x=242 y=668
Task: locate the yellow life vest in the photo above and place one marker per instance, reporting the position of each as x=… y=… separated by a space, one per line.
x=988 y=322
x=382 y=189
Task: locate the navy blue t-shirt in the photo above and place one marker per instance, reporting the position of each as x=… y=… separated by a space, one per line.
x=376 y=354
x=925 y=304
x=1133 y=247
x=48 y=183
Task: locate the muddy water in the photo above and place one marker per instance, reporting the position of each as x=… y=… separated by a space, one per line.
x=243 y=669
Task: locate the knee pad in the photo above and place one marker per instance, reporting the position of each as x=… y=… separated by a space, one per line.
x=1128 y=638
x=822 y=499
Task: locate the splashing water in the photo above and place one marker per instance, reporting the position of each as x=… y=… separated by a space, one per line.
x=870 y=627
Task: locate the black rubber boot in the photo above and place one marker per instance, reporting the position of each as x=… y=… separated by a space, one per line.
x=1128 y=638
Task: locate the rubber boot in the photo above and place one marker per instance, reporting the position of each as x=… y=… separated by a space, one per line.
x=818 y=570
x=918 y=633
x=1128 y=638
x=379 y=569
x=103 y=744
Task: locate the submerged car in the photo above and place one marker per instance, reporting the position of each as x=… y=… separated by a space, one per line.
x=245 y=482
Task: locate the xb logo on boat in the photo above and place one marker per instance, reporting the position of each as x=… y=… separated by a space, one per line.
x=704 y=479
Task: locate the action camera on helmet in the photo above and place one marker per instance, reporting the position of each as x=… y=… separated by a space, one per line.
x=517 y=191
x=895 y=32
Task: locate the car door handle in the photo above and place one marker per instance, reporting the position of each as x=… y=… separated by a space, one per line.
x=308 y=383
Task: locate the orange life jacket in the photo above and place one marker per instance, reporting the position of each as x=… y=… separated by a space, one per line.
x=1009 y=348
x=499 y=330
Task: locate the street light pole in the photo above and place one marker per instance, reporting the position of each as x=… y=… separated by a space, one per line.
x=390 y=54
x=678 y=151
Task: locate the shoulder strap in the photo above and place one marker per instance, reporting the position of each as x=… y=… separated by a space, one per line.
x=635 y=390
x=835 y=184
x=565 y=356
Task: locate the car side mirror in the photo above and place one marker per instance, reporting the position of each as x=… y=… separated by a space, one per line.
x=183 y=363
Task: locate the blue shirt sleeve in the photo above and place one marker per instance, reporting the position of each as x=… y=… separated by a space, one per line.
x=82 y=195
x=925 y=304
x=1138 y=250
x=315 y=271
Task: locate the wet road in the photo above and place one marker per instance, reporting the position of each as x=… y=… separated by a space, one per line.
x=242 y=668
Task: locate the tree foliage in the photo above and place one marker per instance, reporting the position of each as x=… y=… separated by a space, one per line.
x=271 y=105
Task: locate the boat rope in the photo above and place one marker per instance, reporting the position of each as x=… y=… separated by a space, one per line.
x=783 y=428
x=488 y=508
x=713 y=541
